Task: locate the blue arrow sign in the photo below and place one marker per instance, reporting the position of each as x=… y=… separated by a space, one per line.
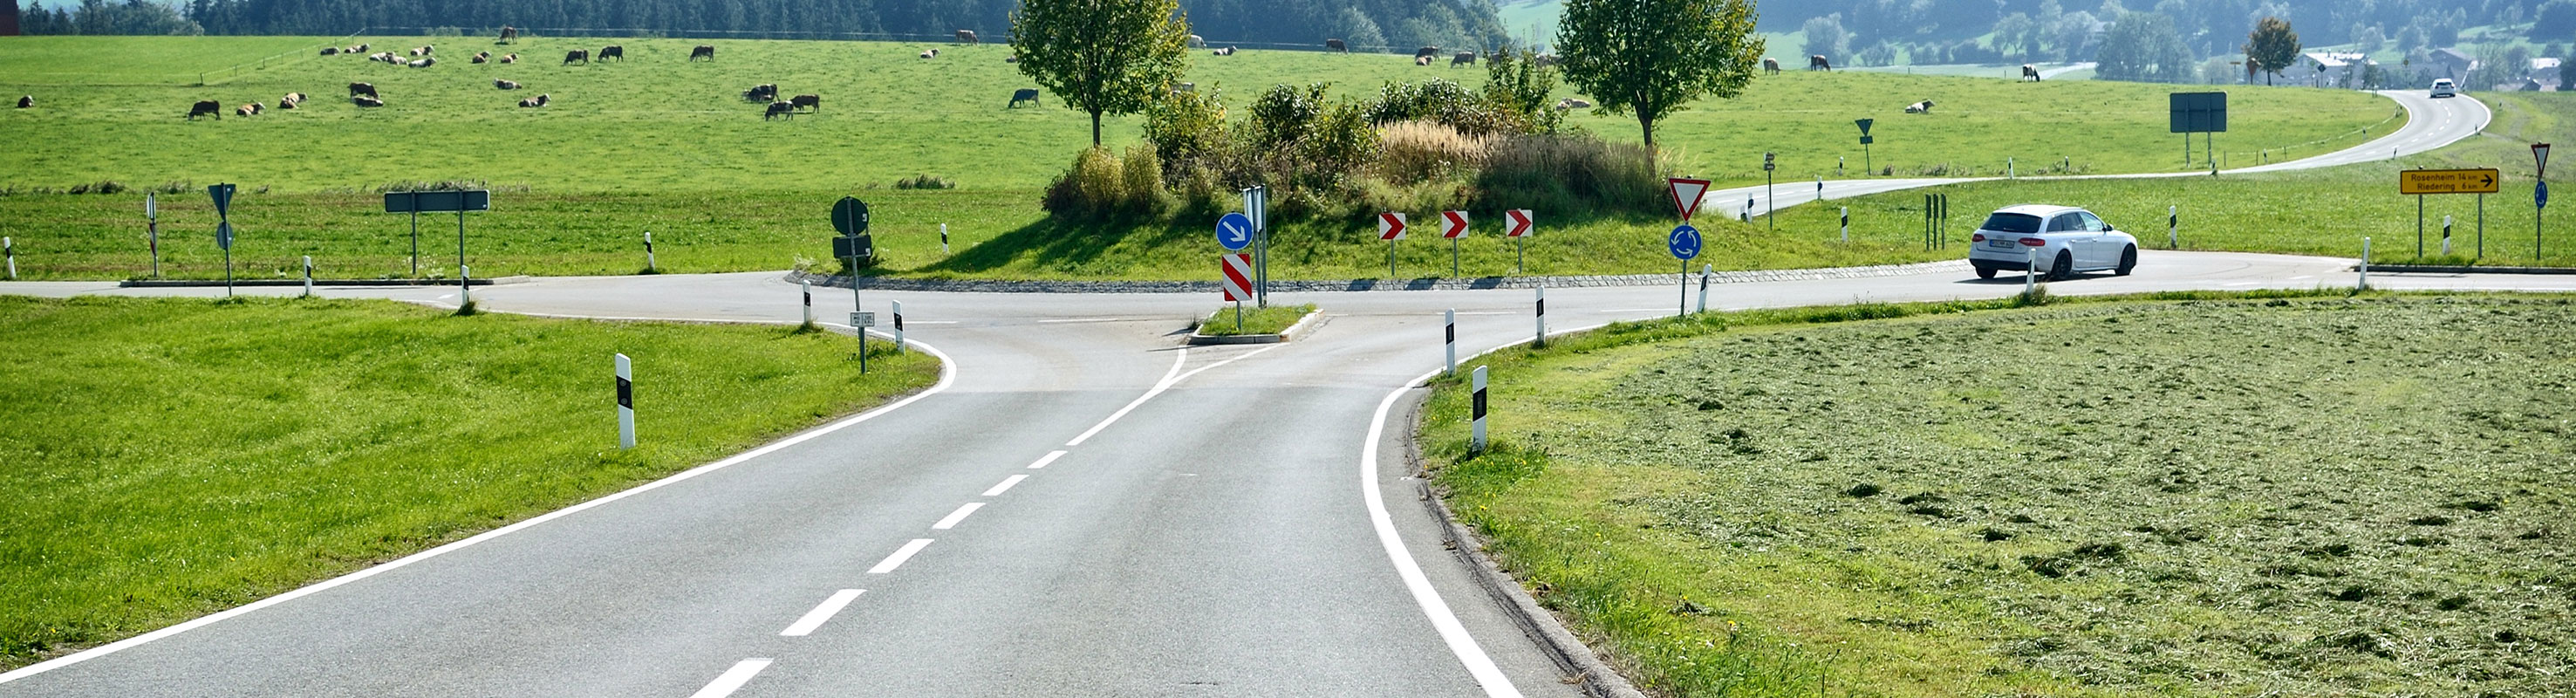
x=1684 y=242
x=1234 y=231
x=2540 y=196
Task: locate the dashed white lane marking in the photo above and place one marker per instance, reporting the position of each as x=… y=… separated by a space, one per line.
x=1170 y=378
x=1083 y=319
x=900 y=555
x=1049 y=458
x=1006 y=485
x=822 y=612
x=732 y=680
x=953 y=517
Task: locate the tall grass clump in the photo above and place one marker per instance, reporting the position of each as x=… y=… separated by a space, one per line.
x=1412 y=152
x=1570 y=172
x=1102 y=184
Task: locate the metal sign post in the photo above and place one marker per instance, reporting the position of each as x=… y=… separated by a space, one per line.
x=418 y=202
x=2197 y=112
x=2539 y=194
x=850 y=216
x=222 y=194
x=1770 y=206
x=1684 y=244
x=152 y=231
x=1866 y=170
x=2479 y=181
x=1256 y=208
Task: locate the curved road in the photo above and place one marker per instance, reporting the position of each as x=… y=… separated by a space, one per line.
x=1081 y=508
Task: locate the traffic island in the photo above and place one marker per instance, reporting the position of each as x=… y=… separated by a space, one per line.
x=1254 y=325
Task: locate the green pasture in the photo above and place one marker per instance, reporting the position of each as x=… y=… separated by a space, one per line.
x=2086 y=498
x=171 y=458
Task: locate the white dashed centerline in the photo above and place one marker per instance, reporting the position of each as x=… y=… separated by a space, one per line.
x=732 y=680
x=956 y=516
x=1049 y=458
x=900 y=555
x=823 y=612
x=1005 y=486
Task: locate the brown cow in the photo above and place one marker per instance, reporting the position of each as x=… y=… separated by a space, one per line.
x=2030 y=72
x=360 y=88
x=483 y=57
x=1336 y=45
x=966 y=37
x=206 y=107
x=1818 y=62
x=505 y=84
x=814 y=102
x=537 y=101
x=1771 y=66
x=706 y=52
x=617 y=52
x=577 y=55
x=778 y=110
x=26 y=101
x=512 y=58
x=366 y=101
x=251 y=109
x=508 y=34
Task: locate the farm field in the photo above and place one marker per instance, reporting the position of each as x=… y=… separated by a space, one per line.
x=2204 y=494
x=176 y=457
x=658 y=143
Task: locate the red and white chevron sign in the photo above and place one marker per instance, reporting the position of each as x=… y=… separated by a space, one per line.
x=1390 y=226
x=1238 y=276
x=1516 y=222
x=1453 y=224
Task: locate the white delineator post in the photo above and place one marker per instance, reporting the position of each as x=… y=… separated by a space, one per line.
x=1846 y=223
x=1478 y=442
x=1704 y=271
x=1540 y=339
x=2446 y=235
x=943 y=238
x=465 y=284
x=10 y=248
x=308 y=276
x=808 y=288
x=1451 y=325
x=2173 y=227
x=2365 y=262
x=648 y=251
x=2030 y=279
x=898 y=327
x=625 y=403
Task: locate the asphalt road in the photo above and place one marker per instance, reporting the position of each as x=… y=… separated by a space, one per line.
x=1081 y=508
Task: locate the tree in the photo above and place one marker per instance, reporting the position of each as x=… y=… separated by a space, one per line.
x=1825 y=37
x=2556 y=19
x=2143 y=47
x=2272 y=45
x=1650 y=57
x=2017 y=37
x=1102 y=56
x=2566 y=75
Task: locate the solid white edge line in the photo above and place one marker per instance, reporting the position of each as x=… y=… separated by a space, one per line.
x=1049 y=458
x=1006 y=485
x=899 y=556
x=732 y=679
x=806 y=624
x=1444 y=621
x=947 y=377
x=953 y=517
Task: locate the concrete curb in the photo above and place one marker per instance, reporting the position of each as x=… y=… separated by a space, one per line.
x=1286 y=286
x=2432 y=269
x=1571 y=655
x=1294 y=329
x=193 y=283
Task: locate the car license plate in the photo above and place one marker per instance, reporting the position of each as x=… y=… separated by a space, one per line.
x=2001 y=244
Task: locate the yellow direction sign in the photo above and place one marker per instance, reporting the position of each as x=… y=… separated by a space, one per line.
x=2447 y=181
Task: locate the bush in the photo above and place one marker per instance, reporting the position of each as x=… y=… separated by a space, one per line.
x=1412 y=152
x=1285 y=114
x=1186 y=126
x=925 y=182
x=1102 y=184
x=1570 y=173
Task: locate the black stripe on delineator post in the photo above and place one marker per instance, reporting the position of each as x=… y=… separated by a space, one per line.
x=625 y=393
x=1480 y=403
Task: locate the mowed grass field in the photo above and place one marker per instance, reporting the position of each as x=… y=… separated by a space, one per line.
x=658 y=143
x=170 y=458
x=2275 y=494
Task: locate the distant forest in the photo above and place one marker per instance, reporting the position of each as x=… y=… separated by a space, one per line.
x=1366 y=24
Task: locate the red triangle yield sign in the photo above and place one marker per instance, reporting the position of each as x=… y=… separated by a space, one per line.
x=1686 y=193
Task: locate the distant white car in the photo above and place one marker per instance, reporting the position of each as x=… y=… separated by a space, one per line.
x=2063 y=240
x=2443 y=87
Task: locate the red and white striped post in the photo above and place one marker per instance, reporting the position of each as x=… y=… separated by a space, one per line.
x=1237 y=270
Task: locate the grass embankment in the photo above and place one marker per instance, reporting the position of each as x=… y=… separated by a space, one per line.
x=2308 y=495
x=1271 y=320
x=171 y=458
x=657 y=143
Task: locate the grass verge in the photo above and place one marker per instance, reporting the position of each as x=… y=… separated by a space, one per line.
x=2089 y=498
x=1271 y=320
x=171 y=458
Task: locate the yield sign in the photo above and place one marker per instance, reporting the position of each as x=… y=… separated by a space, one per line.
x=1686 y=194
x=1390 y=226
x=1453 y=224
x=1516 y=222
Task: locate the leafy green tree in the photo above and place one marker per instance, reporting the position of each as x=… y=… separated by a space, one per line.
x=2272 y=45
x=1102 y=56
x=1825 y=37
x=2017 y=37
x=1516 y=82
x=2566 y=75
x=1648 y=58
x=2143 y=47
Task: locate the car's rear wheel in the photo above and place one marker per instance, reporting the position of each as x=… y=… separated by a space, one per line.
x=2065 y=266
x=1985 y=272
x=2128 y=261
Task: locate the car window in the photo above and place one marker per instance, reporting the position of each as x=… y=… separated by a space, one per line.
x=2091 y=223
x=2065 y=222
x=2011 y=223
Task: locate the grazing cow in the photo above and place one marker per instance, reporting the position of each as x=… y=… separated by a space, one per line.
x=424 y=62
x=1227 y=51
x=1922 y=107
x=251 y=109
x=330 y=50
x=1029 y=95
x=366 y=101
x=1336 y=45
x=512 y=58
x=814 y=102
x=706 y=52
x=778 y=110
x=1771 y=66
x=1818 y=62
x=537 y=101
x=2030 y=72
x=1463 y=58
x=761 y=93
x=1426 y=52
x=933 y=53
x=1197 y=41
x=1422 y=60
x=1572 y=103
x=360 y=88
x=577 y=55
x=617 y=52
x=206 y=107
x=505 y=84
x=26 y=101
x=508 y=34
x=965 y=36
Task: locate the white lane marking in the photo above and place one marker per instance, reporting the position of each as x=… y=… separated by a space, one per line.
x=900 y=555
x=1006 y=485
x=1171 y=378
x=953 y=517
x=1443 y=620
x=732 y=680
x=947 y=377
x=1049 y=458
x=1083 y=319
x=822 y=612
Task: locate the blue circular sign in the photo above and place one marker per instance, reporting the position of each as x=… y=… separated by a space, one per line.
x=1684 y=242
x=2540 y=195
x=1234 y=231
